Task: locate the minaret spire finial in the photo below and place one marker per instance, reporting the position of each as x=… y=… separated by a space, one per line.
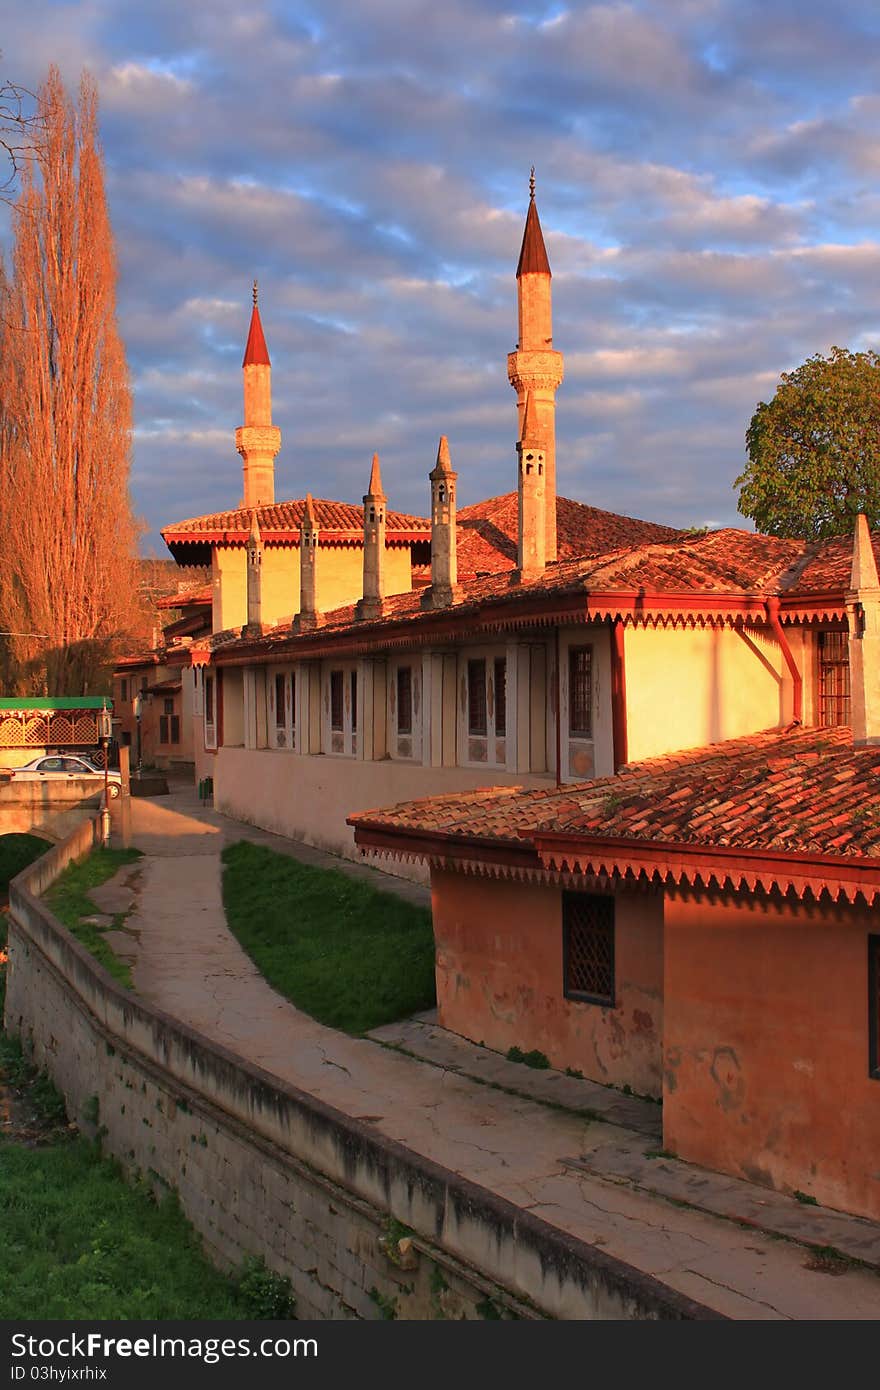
x=532 y=184
x=255 y=289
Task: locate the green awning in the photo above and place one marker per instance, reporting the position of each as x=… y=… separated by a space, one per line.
x=61 y=702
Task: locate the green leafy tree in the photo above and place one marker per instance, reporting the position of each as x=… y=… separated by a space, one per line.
x=814 y=449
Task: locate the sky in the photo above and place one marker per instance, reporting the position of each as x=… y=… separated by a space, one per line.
x=707 y=181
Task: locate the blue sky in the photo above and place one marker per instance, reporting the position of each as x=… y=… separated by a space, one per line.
x=707 y=182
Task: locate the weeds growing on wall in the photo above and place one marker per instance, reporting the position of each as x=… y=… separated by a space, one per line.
x=351 y=956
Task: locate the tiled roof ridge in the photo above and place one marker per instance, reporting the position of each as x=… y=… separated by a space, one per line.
x=240 y=518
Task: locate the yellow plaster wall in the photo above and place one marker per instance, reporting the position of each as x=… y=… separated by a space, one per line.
x=686 y=688
x=308 y=798
x=340 y=581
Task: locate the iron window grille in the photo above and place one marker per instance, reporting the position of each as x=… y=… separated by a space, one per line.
x=874 y=1007
x=280 y=713
x=834 y=701
x=588 y=947
x=500 y=696
x=580 y=692
x=336 y=701
x=404 y=700
x=478 y=714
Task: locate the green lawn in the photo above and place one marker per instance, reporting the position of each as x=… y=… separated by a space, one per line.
x=81 y=1242
x=16 y=852
x=347 y=954
x=69 y=900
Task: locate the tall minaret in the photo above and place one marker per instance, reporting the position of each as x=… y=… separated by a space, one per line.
x=531 y=544
x=371 y=605
x=257 y=440
x=534 y=366
x=309 y=615
x=443 y=589
x=254 y=549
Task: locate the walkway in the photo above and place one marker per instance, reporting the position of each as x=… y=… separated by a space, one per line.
x=587 y=1176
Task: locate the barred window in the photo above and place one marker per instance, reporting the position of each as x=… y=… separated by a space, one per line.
x=404 y=699
x=174 y=720
x=336 y=700
x=209 y=699
x=478 y=717
x=354 y=701
x=280 y=712
x=588 y=947
x=874 y=1007
x=163 y=728
x=124 y=692
x=500 y=696
x=580 y=692
x=833 y=678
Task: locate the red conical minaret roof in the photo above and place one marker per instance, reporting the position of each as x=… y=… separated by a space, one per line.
x=533 y=253
x=256 y=352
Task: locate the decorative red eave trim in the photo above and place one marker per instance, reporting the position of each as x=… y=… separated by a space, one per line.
x=329 y=538
x=421 y=844
x=718 y=866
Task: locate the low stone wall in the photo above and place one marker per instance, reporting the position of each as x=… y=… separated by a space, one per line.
x=265 y=1169
x=52 y=810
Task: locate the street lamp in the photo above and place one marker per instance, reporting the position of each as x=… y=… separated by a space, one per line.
x=105 y=733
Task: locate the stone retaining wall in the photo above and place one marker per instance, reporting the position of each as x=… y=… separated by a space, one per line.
x=265 y=1169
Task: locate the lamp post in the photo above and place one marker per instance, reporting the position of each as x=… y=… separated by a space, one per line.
x=105 y=733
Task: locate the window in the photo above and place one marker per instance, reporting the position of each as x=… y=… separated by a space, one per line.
x=404 y=700
x=280 y=713
x=874 y=1007
x=478 y=717
x=833 y=678
x=588 y=947
x=144 y=684
x=500 y=696
x=163 y=728
x=175 y=728
x=580 y=692
x=336 y=700
x=169 y=706
x=125 y=690
x=354 y=701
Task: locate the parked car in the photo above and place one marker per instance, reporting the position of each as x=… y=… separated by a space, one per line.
x=66 y=767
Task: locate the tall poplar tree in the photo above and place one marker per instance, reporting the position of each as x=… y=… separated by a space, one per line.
x=67 y=534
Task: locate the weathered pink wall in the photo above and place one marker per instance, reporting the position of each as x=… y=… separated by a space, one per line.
x=499 y=979
x=766 y=1049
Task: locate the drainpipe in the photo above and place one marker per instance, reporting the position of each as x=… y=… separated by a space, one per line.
x=618 y=695
x=797 y=680
x=558 y=715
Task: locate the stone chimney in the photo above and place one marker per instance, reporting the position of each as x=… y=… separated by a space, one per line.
x=863 y=617
x=309 y=615
x=443 y=589
x=254 y=551
x=372 y=604
x=257 y=440
x=531 y=543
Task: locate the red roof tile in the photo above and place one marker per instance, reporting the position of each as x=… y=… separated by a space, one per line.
x=282 y=521
x=186 y=598
x=487 y=533
x=805 y=791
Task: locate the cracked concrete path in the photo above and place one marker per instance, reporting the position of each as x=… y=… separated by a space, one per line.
x=189 y=964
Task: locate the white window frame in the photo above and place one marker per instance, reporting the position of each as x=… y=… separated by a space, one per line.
x=492 y=737
x=281 y=735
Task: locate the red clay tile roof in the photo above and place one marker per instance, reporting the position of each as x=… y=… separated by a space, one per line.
x=280 y=523
x=256 y=352
x=533 y=253
x=805 y=791
x=830 y=565
x=487 y=533
x=186 y=598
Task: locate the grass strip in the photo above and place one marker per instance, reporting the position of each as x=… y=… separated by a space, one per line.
x=346 y=953
x=69 y=899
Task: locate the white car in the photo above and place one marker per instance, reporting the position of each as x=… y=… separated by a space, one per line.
x=65 y=767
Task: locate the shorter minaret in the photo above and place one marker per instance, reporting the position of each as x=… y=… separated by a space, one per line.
x=532 y=539
x=372 y=603
x=309 y=615
x=254 y=550
x=443 y=589
x=257 y=440
x=863 y=617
